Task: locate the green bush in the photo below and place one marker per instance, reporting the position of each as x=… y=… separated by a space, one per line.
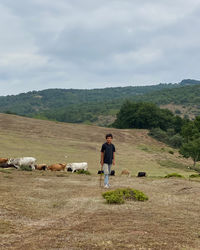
x=113 y=197
x=194 y=175
x=119 y=196
x=158 y=134
x=25 y=168
x=176 y=141
x=171 y=152
x=174 y=175
x=82 y=171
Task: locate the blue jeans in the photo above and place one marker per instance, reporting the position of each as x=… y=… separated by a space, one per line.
x=106 y=169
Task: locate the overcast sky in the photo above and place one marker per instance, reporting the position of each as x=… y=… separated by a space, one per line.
x=96 y=44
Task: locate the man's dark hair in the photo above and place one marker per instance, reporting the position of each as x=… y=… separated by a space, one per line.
x=109 y=135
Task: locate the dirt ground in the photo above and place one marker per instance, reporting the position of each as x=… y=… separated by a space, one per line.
x=45 y=210
x=61 y=210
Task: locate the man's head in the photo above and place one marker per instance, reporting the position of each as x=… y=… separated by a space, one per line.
x=109 y=138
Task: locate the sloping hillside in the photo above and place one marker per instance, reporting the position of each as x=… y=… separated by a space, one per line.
x=51 y=141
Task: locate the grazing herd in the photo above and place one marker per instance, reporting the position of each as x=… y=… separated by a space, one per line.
x=31 y=162
x=73 y=167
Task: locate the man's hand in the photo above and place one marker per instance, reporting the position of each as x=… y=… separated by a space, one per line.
x=102 y=163
x=113 y=162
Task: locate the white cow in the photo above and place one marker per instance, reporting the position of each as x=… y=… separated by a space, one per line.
x=77 y=166
x=23 y=161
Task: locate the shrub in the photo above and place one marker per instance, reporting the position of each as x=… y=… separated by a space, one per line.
x=82 y=171
x=119 y=196
x=169 y=137
x=174 y=175
x=158 y=134
x=171 y=152
x=113 y=197
x=194 y=175
x=176 y=141
x=25 y=168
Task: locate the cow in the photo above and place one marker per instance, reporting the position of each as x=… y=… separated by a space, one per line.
x=100 y=172
x=142 y=174
x=112 y=172
x=77 y=166
x=57 y=167
x=41 y=166
x=3 y=160
x=6 y=165
x=23 y=161
x=125 y=172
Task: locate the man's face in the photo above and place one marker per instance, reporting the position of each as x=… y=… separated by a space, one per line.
x=109 y=139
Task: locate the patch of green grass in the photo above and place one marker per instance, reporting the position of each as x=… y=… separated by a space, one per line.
x=151 y=149
x=194 y=176
x=82 y=171
x=174 y=175
x=144 y=148
x=119 y=196
x=172 y=164
x=25 y=168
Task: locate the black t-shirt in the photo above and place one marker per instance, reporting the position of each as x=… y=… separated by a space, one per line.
x=108 y=150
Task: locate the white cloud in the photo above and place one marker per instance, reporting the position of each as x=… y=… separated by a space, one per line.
x=88 y=44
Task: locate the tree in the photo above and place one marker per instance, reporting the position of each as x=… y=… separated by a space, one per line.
x=191 y=130
x=146 y=116
x=191 y=149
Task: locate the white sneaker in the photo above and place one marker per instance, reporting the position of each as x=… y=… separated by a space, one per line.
x=106 y=186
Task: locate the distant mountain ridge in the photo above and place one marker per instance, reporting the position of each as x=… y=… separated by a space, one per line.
x=189 y=82
x=86 y=106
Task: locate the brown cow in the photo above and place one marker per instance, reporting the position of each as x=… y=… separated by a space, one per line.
x=41 y=166
x=57 y=167
x=125 y=172
x=3 y=160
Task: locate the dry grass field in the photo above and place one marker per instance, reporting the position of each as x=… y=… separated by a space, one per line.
x=61 y=210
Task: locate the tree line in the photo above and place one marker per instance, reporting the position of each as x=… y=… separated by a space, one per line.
x=163 y=125
x=85 y=106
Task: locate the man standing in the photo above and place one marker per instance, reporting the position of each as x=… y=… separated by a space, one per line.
x=107 y=158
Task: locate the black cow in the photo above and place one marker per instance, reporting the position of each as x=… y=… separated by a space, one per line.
x=142 y=174
x=100 y=172
x=6 y=165
x=112 y=172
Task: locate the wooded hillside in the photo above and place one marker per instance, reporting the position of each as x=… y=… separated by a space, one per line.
x=100 y=106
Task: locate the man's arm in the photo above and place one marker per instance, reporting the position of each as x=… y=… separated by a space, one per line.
x=102 y=158
x=113 y=162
